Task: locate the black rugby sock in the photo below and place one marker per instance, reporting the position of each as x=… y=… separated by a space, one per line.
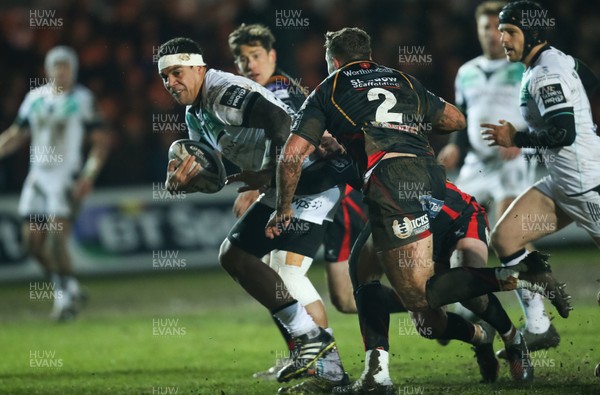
x=460 y=283
x=495 y=315
x=458 y=328
x=392 y=300
x=289 y=340
x=373 y=315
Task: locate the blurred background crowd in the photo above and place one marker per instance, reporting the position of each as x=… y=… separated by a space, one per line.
x=117 y=41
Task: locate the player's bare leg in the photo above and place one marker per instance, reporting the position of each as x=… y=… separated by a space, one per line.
x=38 y=241
x=529 y=217
x=267 y=287
x=292 y=268
x=73 y=297
x=340 y=287
x=408 y=268
x=258 y=279
x=34 y=239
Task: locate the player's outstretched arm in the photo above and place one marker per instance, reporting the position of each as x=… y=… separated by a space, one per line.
x=451 y=120
x=289 y=168
x=12 y=138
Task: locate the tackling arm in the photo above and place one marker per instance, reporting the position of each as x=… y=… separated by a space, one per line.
x=296 y=149
x=289 y=168
x=451 y=120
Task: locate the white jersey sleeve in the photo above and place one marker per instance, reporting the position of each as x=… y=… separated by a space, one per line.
x=551 y=86
x=229 y=102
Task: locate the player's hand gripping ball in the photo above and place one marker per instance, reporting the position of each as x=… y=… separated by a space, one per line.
x=211 y=177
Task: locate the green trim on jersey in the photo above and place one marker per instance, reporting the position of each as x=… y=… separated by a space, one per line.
x=525 y=95
x=70 y=107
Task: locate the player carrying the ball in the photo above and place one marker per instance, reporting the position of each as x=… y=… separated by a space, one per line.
x=248 y=125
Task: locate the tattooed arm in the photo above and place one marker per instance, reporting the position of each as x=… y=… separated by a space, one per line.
x=295 y=150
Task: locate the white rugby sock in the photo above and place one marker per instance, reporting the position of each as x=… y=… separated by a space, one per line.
x=383 y=374
x=297 y=321
x=537 y=320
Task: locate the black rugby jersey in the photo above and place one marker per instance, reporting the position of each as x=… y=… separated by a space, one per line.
x=371 y=110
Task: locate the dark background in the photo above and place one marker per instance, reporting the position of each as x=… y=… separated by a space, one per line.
x=116 y=41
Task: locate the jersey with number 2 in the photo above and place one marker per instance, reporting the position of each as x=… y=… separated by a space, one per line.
x=372 y=110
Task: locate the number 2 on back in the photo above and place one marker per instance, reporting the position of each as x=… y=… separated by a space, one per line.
x=383 y=113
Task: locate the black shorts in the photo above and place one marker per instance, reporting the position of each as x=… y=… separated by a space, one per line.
x=399 y=195
x=349 y=220
x=300 y=236
x=461 y=217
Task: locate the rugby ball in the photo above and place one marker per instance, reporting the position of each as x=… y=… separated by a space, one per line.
x=211 y=178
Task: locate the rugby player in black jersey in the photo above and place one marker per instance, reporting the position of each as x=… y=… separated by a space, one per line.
x=461 y=225
x=255 y=57
x=381 y=116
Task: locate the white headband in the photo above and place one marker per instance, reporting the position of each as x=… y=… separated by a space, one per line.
x=180 y=59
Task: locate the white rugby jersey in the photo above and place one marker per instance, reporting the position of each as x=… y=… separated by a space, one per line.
x=551 y=84
x=57 y=122
x=217 y=120
x=488 y=90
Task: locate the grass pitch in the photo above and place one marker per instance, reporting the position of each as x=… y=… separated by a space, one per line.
x=197 y=332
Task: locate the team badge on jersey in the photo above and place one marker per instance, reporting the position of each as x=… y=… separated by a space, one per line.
x=234 y=96
x=552 y=95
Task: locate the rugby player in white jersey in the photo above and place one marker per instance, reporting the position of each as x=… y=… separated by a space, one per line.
x=487 y=89
x=559 y=123
x=248 y=125
x=255 y=58
x=58 y=117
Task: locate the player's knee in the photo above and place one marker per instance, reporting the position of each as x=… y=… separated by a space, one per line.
x=413 y=295
x=415 y=303
x=299 y=286
x=477 y=305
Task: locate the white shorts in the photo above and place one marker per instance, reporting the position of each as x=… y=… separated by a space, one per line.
x=311 y=208
x=46 y=194
x=494 y=180
x=584 y=209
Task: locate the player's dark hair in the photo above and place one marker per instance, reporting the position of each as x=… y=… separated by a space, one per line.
x=489 y=8
x=254 y=35
x=350 y=43
x=179 y=45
